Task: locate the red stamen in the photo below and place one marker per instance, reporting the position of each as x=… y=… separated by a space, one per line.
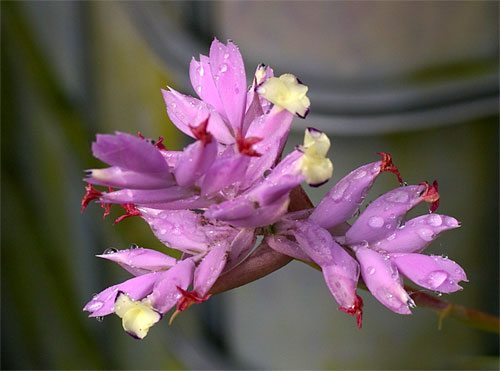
x=130 y=210
x=245 y=145
x=160 y=144
x=387 y=165
x=106 y=206
x=355 y=309
x=200 y=132
x=431 y=195
x=140 y=135
x=188 y=298
x=90 y=195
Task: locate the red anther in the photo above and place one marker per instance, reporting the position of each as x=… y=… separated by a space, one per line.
x=130 y=210
x=431 y=195
x=355 y=309
x=387 y=165
x=245 y=145
x=140 y=135
x=200 y=132
x=160 y=144
x=91 y=194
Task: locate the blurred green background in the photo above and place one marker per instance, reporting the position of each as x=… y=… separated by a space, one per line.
x=416 y=79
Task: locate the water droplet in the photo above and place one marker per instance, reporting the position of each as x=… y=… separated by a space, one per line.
x=363 y=243
x=99 y=319
x=223 y=68
x=163 y=231
x=226 y=55
x=444 y=257
x=439 y=294
x=110 y=250
x=267 y=172
x=397 y=197
x=338 y=191
x=411 y=303
x=133 y=246
x=370 y=270
x=201 y=71
x=391 y=237
x=360 y=174
x=436 y=278
x=95 y=306
x=376 y=222
x=404 y=184
x=426 y=234
x=434 y=220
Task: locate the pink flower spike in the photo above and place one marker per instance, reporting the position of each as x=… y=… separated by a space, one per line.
x=433 y=272
x=431 y=195
x=387 y=165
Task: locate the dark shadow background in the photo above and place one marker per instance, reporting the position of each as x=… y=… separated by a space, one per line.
x=416 y=79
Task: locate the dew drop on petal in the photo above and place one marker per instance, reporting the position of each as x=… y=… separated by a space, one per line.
x=338 y=191
x=391 y=237
x=223 y=68
x=201 y=71
x=436 y=278
x=95 y=306
x=99 y=319
x=411 y=303
x=376 y=222
x=426 y=234
x=370 y=270
x=133 y=246
x=398 y=197
x=360 y=174
x=110 y=250
x=435 y=220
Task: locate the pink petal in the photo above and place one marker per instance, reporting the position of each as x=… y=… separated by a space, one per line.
x=194 y=162
x=119 y=177
x=210 y=268
x=383 y=280
x=186 y=111
x=228 y=72
x=416 y=234
x=129 y=152
x=140 y=261
x=432 y=272
x=103 y=303
x=241 y=246
x=165 y=292
x=147 y=196
x=284 y=246
x=381 y=218
x=203 y=82
x=345 y=197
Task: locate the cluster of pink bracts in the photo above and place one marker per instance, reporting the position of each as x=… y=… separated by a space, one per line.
x=211 y=200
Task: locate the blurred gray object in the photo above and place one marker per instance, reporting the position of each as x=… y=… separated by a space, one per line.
x=375 y=67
